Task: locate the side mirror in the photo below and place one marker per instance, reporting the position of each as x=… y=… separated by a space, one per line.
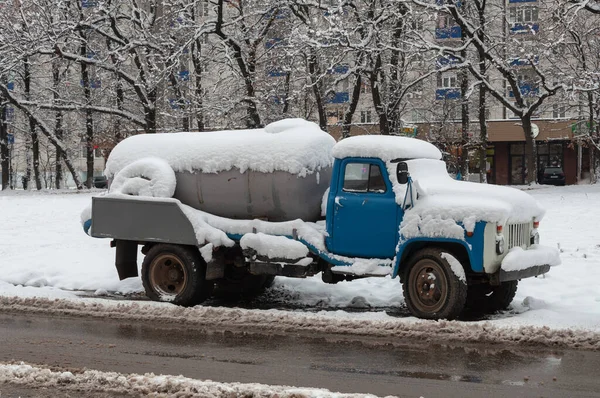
x=402 y=173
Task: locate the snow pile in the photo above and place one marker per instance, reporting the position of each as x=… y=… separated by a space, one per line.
x=386 y=148
x=518 y=259
x=439 y=197
x=296 y=147
x=413 y=226
x=145 y=177
x=274 y=247
x=88 y=382
x=363 y=266
x=372 y=325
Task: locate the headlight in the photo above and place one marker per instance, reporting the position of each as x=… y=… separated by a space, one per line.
x=500 y=244
x=535 y=238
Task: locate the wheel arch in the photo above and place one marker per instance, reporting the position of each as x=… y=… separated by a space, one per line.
x=457 y=248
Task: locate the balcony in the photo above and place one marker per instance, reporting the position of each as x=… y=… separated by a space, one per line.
x=276 y=72
x=184 y=75
x=519 y=28
x=94 y=83
x=338 y=98
x=450 y=93
x=276 y=41
x=527 y=90
x=449 y=32
x=447 y=60
x=524 y=61
x=338 y=70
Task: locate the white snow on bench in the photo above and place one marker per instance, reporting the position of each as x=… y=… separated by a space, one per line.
x=292 y=145
x=274 y=246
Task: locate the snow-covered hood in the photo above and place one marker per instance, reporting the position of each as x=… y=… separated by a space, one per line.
x=440 y=196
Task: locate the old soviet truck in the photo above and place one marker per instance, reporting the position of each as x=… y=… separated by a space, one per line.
x=228 y=211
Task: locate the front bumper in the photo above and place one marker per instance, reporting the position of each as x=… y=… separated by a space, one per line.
x=519 y=263
x=505 y=276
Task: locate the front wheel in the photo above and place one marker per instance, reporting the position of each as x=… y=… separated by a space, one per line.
x=175 y=274
x=487 y=298
x=432 y=289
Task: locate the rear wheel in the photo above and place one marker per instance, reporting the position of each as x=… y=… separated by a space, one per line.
x=175 y=274
x=431 y=288
x=239 y=283
x=487 y=298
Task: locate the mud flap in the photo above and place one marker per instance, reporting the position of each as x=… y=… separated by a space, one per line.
x=126 y=258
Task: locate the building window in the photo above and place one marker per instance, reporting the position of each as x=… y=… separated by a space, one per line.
x=445 y=21
x=526 y=14
x=447 y=80
x=365 y=117
x=204 y=8
x=559 y=111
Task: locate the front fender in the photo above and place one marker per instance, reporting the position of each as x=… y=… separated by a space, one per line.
x=473 y=248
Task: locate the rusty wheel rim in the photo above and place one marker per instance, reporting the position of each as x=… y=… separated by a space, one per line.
x=428 y=286
x=168 y=276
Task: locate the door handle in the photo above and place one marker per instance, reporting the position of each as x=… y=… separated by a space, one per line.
x=338 y=201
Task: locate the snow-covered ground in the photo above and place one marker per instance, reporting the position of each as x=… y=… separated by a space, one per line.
x=44 y=253
x=92 y=381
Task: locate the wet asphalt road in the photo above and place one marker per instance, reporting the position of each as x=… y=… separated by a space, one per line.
x=403 y=368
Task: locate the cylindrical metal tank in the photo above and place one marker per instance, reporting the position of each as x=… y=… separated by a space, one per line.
x=276 y=196
x=278 y=173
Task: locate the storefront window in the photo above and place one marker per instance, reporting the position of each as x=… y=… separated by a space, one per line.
x=549 y=155
x=518 y=165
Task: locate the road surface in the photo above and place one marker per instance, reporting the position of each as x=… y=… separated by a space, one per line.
x=338 y=363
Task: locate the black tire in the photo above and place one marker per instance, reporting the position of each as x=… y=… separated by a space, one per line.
x=489 y=299
x=442 y=295
x=239 y=283
x=269 y=280
x=175 y=274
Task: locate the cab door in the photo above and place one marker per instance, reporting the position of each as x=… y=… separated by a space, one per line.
x=365 y=211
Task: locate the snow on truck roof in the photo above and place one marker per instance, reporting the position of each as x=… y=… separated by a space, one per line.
x=292 y=145
x=386 y=148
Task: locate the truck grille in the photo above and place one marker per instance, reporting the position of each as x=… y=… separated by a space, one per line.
x=518 y=235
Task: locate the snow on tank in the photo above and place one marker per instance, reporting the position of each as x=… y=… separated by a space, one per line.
x=278 y=173
x=295 y=146
x=386 y=148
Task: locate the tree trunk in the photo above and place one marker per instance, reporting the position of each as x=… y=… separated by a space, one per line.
x=592 y=129
x=89 y=121
x=384 y=123
x=463 y=160
x=58 y=121
x=197 y=62
x=27 y=177
x=35 y=148
x=483 y=136
x=483 y=133
x=530 y=150
x=313 y=70
x=347 y=122
x=4 y=149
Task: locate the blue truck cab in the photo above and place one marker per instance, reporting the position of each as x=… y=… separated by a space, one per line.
x=390 y=210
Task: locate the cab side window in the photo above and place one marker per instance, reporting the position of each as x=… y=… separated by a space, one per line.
x=363 y=177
